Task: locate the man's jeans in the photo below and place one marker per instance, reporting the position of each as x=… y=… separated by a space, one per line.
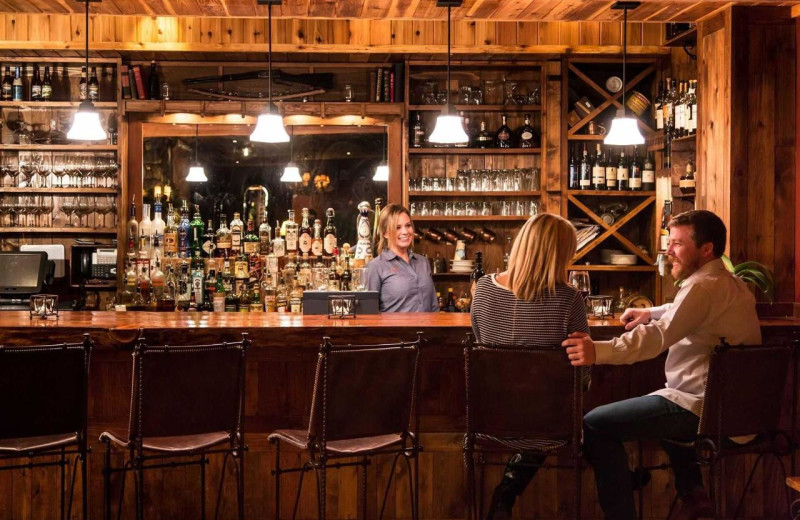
x=648 y=417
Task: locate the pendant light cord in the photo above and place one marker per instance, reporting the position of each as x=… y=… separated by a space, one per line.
x=624 y=56
x=269 y=57
x=449 y=107
x=196 y=131
x=87 y=48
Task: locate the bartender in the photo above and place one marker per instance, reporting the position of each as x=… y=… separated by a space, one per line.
x=401 y=277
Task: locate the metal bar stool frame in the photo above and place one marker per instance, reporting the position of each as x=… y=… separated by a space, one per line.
x=61 y=449
x=319 y=444
x=139 y=461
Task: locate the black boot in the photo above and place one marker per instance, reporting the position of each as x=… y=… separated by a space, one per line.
x=518 y=473
x=502 y=503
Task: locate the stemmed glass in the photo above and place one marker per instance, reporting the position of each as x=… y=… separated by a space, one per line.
x=103 y=207
x=580 y=281
x=59 y=169
x=84 y=208
x=26 y=171
x=511 y=92
x=6 y=206
x=68 y=206
x=46 y=211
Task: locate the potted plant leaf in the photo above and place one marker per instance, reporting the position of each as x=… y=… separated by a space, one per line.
x=754 y=273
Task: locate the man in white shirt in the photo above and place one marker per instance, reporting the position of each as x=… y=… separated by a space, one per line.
x=711 y=303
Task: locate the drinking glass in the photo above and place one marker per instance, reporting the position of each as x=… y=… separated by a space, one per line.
x=510 y=88
x=68 y=206
x=348 y=93
x=477 y=96
x=462 y=180
x=490 y=90
x=580 y=281
x=429 y=93
x=9 y=167
x=464 y=95
x=441 y=97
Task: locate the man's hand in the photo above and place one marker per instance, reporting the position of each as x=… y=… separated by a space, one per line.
x=580 y=349
x=633 y=317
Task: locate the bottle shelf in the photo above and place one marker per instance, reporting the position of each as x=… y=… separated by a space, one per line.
x=612 y=268
x=474 y=151
x=612 y=193
x=477 y=108
x=685 y=139
x=442 y=194
x=72 y=230
x=586 y=137
x=27 y=105
x=496 y=218
x=95 y=286
x=57 y=191
x=60 y=147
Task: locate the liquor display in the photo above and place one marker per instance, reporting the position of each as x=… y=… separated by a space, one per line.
x=477 y=129
x=602 y=171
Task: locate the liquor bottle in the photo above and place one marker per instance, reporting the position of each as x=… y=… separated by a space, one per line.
x=611 y=173
x=333 y=277
x=330 y=241
x=347 y=277
x=210 y=289
x=143 y=260
x=599 y=171
x=83 y=86
x=503 y=136
x=649 y=174
x=184 y=236
x=16 y=86
x=158 y=223
x=47 y=86
x=278 y=243
x=363 y=231
x=291 y=233
x=184 y=295
x=156 y=254
x=237 y=231
x=691 y=107
x=418 y=133
x=145 y=284
x=527 y=135
x=377 y=214
x=250 y=241
x=484 y=139
x=128 y=293
x=146 y=230
x=281 y=295
x=317 y=247
x=245 y=298
x=666 y=216
x=133 y=225
x=635 y=181
x=440 y=301
x=158 y=280
x=94 y=86
x=296 y=298
x=198 y=283
x=170 y=235
x=451 y=301
x=223 y=238
x=153 y=85
x=658 y=107
x=264 y=238
x=623 y=173
x=6 y=94
x=688 y=183
x=231 y=301
x=170 y=296
x=304 y=238
x=585 y=171
x=208 y=245
x=677 y=107
x=36 y=85
x=477 y=272
x=196 y=234
x=574 y=174
x=269 y=293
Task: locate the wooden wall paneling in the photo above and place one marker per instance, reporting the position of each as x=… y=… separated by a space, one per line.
x=797 y=169
x=553 y=143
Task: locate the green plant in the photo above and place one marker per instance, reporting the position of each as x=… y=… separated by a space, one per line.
x=753 y=272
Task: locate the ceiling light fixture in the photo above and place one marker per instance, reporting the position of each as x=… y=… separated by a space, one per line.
x=291 y=173
x=449 y=128
x=86 y=122
x=196 y=171
x=624 y=130
x=269 y=127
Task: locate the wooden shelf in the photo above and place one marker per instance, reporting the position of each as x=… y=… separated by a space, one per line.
x=686 y=139
x=496 y=218
x=72 y=230
x=95 y=286
x=477 y=108
x=256 y=106
x=56 y=191
x=684 y=38
x=612 y=268
x=474 y=151
x=586 y=137
x=474 y=193
x=612 y=193
x=61 y=147
x=27 y=105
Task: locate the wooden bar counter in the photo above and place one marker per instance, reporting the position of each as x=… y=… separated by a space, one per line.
x=280 y=369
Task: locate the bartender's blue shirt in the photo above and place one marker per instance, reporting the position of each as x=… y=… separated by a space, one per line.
x=402 y=286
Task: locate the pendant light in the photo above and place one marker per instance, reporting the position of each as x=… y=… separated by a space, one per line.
x=382 y=171
x=196 y=171
x=269 y=127
x=449 y=128
x=291 y=173
x=86 y=122
x=624 y=130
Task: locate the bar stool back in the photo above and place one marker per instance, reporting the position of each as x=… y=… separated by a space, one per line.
x=43 y=409
x=364 y=403
x=521 y=398
x=186 y=402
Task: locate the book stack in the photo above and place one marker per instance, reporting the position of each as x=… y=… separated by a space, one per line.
x=386 y=84
x=586 y=233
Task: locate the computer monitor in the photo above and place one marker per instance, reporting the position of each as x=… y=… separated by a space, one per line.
x=22 y=273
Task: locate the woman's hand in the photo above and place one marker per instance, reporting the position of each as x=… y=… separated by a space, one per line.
x=580 y=349
x=633 y=317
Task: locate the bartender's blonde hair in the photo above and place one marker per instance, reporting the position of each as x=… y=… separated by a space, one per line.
x=539 y=256
x=388 y=221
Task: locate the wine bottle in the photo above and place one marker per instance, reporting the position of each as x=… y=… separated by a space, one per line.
x=649 y=174
x=47 y=86
x=635 y=181
x=330 y=240
x=688 y=183
x=504 y=137
x=305 y=238
x=574 y=174
x=527 y=135
x=623 y=172
x=7 y=90
x=83 y=86
x=611 y=174
x=36 y=85
x=153 y=89
x=585 y=171
x=418 y=134
x=599 y=171
x=16 y=86
x=94 y=86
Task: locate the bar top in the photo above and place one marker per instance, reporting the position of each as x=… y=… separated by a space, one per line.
x=109 y=320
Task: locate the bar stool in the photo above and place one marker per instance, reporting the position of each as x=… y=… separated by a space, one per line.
x=363 y=403
x=186 y=402
x=43 y=409
x=521 y=399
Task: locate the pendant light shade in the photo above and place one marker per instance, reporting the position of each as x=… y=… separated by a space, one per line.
x=86 y=122
x=269 y=127
x=291 y=173
x=449 y=128
x=624 y=130
x=196 y=172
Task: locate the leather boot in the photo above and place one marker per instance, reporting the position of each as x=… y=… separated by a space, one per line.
x=502 y=503
x=695 y=505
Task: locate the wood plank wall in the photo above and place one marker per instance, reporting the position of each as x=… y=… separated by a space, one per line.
x=232 y=35
x=746 y=152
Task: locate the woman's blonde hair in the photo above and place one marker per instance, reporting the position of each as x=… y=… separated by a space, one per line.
x=539 y=256
x=388 y=221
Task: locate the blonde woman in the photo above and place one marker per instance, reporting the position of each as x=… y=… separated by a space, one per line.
x=529 y=304
x=401 y=277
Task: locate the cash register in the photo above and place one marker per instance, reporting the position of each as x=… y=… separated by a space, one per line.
x=22 y=274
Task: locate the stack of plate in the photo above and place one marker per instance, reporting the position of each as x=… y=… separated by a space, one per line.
x=462 y=266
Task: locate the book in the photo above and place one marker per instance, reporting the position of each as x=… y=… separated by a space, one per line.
x=137 y=74
x=379 y=86
x=132 y=83
x=399 y=85
x=391 y=87
x=386 y=85
x=126 y=82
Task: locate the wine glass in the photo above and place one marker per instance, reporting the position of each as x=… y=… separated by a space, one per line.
x=68 y=206
x=580 y=281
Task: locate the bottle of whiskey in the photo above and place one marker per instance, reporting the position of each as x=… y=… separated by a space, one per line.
x=635 y=181
x=504 y=137
x=83 y=86
x=133 y=226
x=484 y=138
x=347 y=277
x=623 y=173
x=36 y=85
x=237 y=232
x=330 y=240
x=574 y=174
x=418 y=133
x=47 y=86
x=304 y=238
x=94 y=86
x=649 y=174
x=527 y=135
x=316 y=242
x=223 y=238
x=264 y=238
x=281 y=295
x=688 y=183
x=585 y=171
x=6 y=94
x=599 y=171
x=291 y=233
x=251 y=241
x=611 y=173
x=16 y=86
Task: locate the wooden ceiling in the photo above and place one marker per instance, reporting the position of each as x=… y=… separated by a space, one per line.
x=497 y=10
